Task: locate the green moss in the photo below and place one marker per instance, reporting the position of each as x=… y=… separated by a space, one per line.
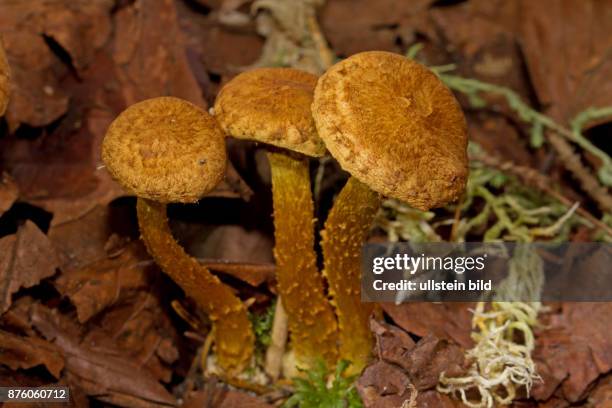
x=314 y=391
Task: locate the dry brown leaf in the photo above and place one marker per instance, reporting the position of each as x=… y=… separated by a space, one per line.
x=9 y=192
x=568 y=49
x=222 y=397
x=228 y=242
x=445 y=320
x=30 y=29
x=406 y=371
x=110 y=375
x=60 y=170
x=5 y=80
x=82 y=241
x=573 y=351
x=103 y=283
x=151 y=61
x=26 y=352
x=26 y=258
x=353 y=26
x=384 y=385
x=139 y=328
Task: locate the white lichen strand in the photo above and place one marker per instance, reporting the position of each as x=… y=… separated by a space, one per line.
x=500 y=365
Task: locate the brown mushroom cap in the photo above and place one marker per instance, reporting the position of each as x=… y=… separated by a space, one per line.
x=4 y=80
x=271 y=105
x=165 y=149
x=391 y=123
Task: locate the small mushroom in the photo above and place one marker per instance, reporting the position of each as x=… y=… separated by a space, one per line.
x=272 y=105
x=399 y=131
x=5 y=77
x=166 y=150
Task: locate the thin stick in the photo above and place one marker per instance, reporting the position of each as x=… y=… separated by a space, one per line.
x=539 y=181
x=278 y=341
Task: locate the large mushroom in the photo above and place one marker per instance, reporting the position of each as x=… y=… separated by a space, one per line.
x=399 y=131
x=167 y=150
x=272 y=105
x=5 y=76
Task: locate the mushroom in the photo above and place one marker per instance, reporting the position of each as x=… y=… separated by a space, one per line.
x=5 y=76
x=399 y=131
x=272 y=105
x=167 y=150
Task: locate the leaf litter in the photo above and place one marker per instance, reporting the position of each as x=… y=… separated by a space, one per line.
x=82 y=303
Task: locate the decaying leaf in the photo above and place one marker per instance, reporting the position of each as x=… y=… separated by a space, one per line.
x=407 y=372
x=20 y=352
x=222 y=397
x=50 y=40
x=103 y=283
x=568 y=53
x=9 y=192
x=5 y=77
x=573 y=351
x=110 y=375
x=26 y=258
x=445 y=320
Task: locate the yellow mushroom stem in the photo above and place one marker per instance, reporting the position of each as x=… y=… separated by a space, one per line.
x=346 y=229
x=234 y=339
x=311 y=320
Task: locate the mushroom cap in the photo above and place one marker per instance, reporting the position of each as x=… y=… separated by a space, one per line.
x=392 y=124
x=165 y=149
x=5 y=76
x=271 y=105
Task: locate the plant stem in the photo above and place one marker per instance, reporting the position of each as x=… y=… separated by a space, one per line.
x=233 y=332
x=312 y=324
x=346 y=229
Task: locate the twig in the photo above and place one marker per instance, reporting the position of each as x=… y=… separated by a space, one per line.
x=539 y=181
x=571 y=161
x=278 y=341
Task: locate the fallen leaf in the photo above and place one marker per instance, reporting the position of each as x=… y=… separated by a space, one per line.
x=568 y=48
x=82 y=241
x=30 y=30
x=601 y=396
x=383 y=385
x=353 y=26
x=445 y=320
x=223 y=397
x=26 y=258
x=111 y=376
x=392 y=343
x=139 y=328
x=103 y=283
x=573 y=351
x=5 y=78
x=228 y=242
x=9 y=192
x=26 y=352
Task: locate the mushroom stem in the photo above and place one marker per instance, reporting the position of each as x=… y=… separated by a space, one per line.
x=312 y=324
x=346 y=229
x=233 y=332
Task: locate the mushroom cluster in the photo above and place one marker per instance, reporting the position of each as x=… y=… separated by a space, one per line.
x=5 y=76
x=387 y=120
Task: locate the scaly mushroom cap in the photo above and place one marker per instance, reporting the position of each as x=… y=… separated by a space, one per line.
x=271 y=105
x=165 y=149
x=391 y=123
x=5 y=75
